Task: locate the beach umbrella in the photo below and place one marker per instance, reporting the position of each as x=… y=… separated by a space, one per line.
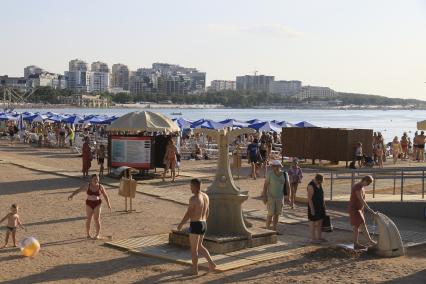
x=111 y=119
x=265 y=126
x=233 y=123
x=56 y=118
x=285 y=124
x=96 y=120
x=144 y=121
x=38 y=118
x=74 y=119
x=5 y=117
x=305 y=124
x=209 y=124
x=253 y=121
x=183 y=123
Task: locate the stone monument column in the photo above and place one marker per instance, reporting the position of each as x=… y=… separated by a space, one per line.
x=226 y=217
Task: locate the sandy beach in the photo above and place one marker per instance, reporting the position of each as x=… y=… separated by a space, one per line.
x=41 y=190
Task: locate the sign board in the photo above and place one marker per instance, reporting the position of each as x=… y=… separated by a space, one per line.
x=133 y=152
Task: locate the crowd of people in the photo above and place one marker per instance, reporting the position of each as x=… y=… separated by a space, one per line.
x=280 y=187
x=403 y=149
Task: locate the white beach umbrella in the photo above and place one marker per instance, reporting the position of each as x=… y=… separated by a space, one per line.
x=144 y=121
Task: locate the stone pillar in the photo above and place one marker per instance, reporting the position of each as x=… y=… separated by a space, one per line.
x=226 y=217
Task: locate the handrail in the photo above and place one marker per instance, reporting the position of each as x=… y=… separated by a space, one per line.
x=378 y=174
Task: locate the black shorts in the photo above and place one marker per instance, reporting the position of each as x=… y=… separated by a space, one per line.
x=101 y=161
x=197 y=227
x=359 y=158
x=421 y=146
x=11 y=229
x=253 y=159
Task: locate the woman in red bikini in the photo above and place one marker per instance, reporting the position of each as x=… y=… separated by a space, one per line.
x=93 y=203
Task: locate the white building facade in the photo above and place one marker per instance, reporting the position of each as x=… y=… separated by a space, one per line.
x=285 y=88
x=220 y=85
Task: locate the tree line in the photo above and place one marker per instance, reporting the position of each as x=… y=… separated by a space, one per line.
x=227 y=98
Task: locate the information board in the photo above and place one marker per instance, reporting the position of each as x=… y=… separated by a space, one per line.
x=133 y=152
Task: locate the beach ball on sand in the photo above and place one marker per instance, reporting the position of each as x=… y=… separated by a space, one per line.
x=29 y=246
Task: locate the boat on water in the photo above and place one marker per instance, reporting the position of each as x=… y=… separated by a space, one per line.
x=176 y=113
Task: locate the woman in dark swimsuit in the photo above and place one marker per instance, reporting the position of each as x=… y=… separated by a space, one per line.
x=316 y=208
x=93 y=203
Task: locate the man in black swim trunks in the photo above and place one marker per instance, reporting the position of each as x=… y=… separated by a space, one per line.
x=197 y=213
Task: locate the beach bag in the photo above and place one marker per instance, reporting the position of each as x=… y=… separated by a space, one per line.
x=327 y=226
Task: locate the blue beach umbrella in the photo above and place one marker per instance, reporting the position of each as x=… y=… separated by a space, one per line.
x=285 y=124
x=38 y=118
x=6 y=116
x=56 y=118
x=96 y=120
x=253 y=121
x=305 y=124
x=233 y=123
x=183 y=123
x=111 y=119
x=74 y=119
x=265 y=126
x=209 y=124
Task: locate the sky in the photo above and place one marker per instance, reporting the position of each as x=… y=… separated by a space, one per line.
x=363 y=46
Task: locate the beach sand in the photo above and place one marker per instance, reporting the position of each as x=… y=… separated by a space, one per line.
x=67 y=257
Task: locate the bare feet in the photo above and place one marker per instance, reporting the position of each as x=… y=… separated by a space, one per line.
x=97 y=237
x=359 y=246
x=212 y=267
x=4 y=246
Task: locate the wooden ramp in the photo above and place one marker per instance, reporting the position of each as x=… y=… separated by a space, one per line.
x=157 y=246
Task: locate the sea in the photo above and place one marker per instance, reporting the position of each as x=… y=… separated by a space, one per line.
x=390 y=123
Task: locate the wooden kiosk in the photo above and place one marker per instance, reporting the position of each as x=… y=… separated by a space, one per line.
x=131 y=145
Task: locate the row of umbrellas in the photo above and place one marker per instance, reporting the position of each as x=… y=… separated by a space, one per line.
x=268 y=126
x=146 y=120
x=53 y=117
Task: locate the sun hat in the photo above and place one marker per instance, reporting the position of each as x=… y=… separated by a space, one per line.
x=276 y=163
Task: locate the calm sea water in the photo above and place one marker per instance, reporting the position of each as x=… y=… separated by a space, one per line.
x=390 y=122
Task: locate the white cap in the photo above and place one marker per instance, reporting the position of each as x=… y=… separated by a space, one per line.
x=276 y=163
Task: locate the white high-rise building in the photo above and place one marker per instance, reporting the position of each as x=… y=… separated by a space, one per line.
x=78 y=76
x=99 y=80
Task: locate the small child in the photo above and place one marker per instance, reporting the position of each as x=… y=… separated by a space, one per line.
x=13 y=222
x=101 y=159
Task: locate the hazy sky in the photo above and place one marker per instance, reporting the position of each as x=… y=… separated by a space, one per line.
x=376 y=47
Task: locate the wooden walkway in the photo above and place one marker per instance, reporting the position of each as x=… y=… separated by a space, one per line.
x=157 y=246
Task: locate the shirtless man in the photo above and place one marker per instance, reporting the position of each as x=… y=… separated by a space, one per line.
x=197 y=213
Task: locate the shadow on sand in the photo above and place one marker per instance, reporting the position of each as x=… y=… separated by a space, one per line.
x=95 y=270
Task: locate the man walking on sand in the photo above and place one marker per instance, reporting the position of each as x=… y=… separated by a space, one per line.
x=197 y=213
x=273 y=194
